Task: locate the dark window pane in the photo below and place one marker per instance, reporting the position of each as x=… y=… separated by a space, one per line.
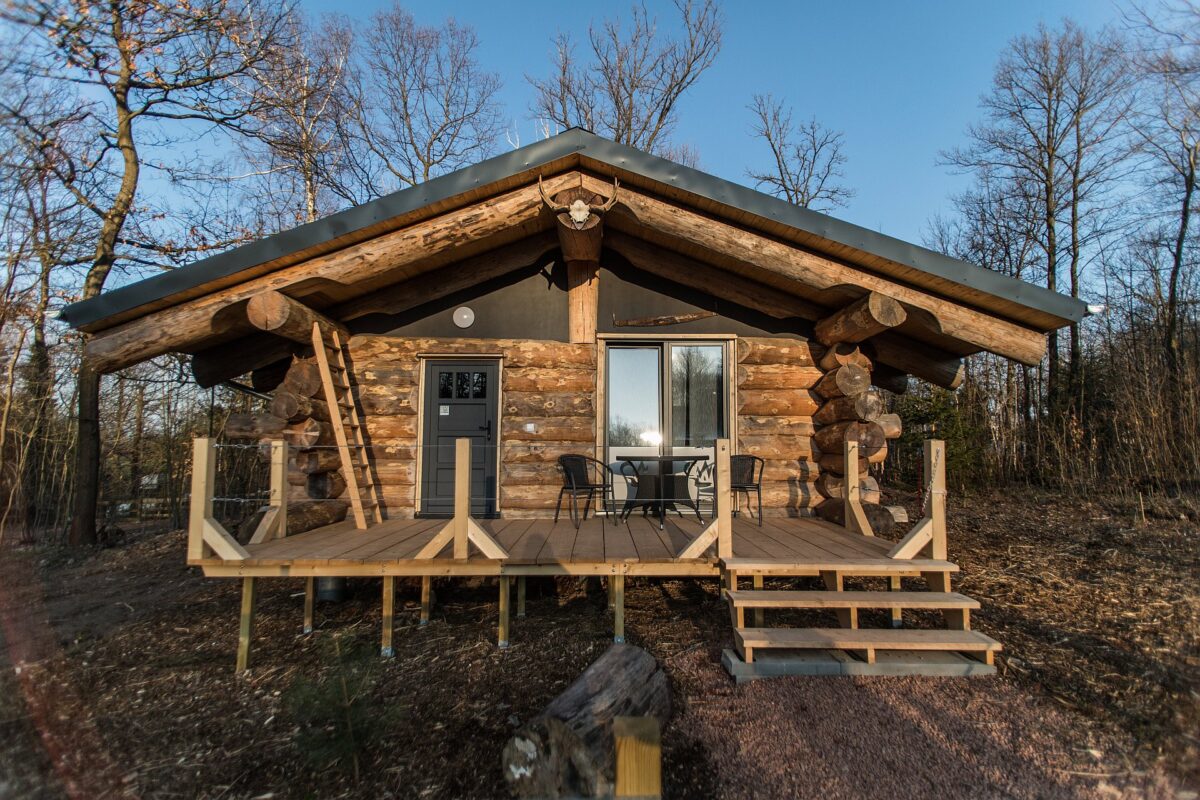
x=697 y=395
x=445 y=385
x=463 y=385
x=479 y=384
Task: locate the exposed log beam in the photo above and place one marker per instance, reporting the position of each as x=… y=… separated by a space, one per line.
x=924 y=361
x=276 y=313
x=460 y=275
x=224 y=362
x=936 y=366
x=644 y=215
x=402 y=254
x=872 y=314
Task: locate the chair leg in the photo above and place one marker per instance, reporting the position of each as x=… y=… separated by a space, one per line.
x=588 y=505
x=575 y=510
x=558 y=505
x=758 y=490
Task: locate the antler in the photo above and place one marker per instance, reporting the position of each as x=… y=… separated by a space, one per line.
x=612 y=200
x=555 y=207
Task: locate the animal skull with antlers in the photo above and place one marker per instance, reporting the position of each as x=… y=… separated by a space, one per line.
x=579 y=211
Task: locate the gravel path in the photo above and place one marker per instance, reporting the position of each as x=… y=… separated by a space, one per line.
x=856 y=738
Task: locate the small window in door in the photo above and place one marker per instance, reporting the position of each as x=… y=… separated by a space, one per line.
x=445 y=385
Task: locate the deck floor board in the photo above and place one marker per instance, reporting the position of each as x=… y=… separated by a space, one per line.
x=599 y=544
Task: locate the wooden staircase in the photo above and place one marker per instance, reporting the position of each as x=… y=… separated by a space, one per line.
x=849 y=649
x=347 y=428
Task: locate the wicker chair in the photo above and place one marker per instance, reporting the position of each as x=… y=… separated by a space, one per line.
x=745 y=476
x=583 y=476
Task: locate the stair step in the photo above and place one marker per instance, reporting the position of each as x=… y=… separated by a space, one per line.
x=847 y=566
x=864 y=639
x=823 y=599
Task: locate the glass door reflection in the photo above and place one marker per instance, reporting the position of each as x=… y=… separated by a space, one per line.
x=634 y=401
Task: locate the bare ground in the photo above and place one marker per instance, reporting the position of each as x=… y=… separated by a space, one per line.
x=124 y=682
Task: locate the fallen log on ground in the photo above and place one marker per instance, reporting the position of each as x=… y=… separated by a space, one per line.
x=567 y=750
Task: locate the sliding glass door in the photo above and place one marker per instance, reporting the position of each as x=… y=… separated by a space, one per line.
x=664 y=395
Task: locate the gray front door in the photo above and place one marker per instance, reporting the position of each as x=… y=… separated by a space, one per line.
x=460 y=402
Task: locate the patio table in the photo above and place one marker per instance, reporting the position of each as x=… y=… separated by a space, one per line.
x=651 y=487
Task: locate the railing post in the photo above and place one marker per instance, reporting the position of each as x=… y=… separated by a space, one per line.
x=279 y=486
x=854 y=518
x=462 y=495
x=723 y=495
x=935 y=469
x=204 y=473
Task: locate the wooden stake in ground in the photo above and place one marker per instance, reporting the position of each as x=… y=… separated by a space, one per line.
x=568 y=750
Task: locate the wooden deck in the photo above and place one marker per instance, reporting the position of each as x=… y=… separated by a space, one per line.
x=542 y=547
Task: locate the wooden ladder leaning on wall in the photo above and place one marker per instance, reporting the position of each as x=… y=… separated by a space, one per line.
x=347 y=427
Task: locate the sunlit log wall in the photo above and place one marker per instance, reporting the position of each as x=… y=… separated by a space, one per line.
x=546 y=385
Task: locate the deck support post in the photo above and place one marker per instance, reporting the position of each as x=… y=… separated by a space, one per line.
x=389 y=616
x=935 y=468
x=520 y=597
x=618 y=584
x=503 y=636
x=426 y=597
x=310 y=596
x=759 y=613
x=610 y=587
x=897 y=613
x=847 y=617
x=246 y=623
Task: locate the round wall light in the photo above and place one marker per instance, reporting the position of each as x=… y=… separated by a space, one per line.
x=464 y=317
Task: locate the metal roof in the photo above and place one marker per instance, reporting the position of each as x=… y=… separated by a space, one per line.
x=583 y=144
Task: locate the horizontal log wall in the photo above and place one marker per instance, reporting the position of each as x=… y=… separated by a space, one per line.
x=775 y=378
x=547 y=386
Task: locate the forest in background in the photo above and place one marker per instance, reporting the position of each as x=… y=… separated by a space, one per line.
x=141 y=136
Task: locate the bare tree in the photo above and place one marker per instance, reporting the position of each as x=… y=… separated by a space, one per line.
x=1054 y=113
x=303 y=92
x=807 y=157
x=425 y=106
x=1167 y=125
x=629 y=90
x=138 y=66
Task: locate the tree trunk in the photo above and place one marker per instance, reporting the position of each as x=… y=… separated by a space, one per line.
x=87 y=459
x=309 y=433
x=567 y=750
x=866 y=406
x=869 y=435
x=303 y=378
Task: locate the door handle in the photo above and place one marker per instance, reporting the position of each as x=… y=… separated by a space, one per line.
x=487 y=428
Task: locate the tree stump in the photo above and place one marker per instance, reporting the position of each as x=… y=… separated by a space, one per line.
x=567 y=750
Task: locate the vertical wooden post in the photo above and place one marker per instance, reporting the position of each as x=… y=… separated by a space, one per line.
x=426 y=598
x=310 y=596
x=389 y=615
x=723 y=496
x=462 y=495
x=246 y=625
x=204 y=473
x=637 y=745
x=935 y=470
x=855 y=517
x=897 y=613
x=618 y=583
x=520 y=597
x=759 y=613
x=279 y=485
x=847 y=617
x=503 y=637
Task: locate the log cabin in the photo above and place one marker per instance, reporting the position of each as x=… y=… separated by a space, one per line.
x=433 y=355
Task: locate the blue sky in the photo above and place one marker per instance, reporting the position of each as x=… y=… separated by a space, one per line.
x=902 y=80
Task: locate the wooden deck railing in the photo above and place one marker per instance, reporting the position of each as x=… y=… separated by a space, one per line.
x=721 y=528
x=208 y=538
x=462 y=530
x=930 y=530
